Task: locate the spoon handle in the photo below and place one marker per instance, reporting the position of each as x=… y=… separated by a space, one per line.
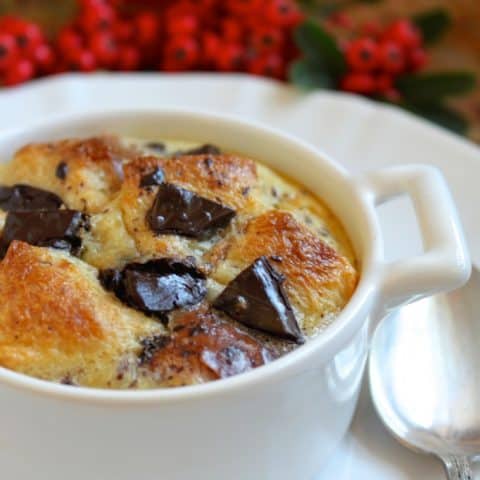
x=457 y=467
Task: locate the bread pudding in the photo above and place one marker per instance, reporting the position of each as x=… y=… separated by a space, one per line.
x=133 y=264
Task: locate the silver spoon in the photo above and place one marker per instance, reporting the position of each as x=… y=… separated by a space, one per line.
x=424 y=371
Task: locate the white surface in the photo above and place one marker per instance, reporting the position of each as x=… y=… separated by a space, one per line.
x=313 y=390
x=359 y=134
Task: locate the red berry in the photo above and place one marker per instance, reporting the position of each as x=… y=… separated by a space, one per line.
x=123 y=30
x=104 y=48
x=282 y=13
x=206 y=5
x=232 y=30
x=182 y=25
x=267 y=38
x=95 y=19
x=182 y=7
x=147 y=27
x=211 y=45
x=128 y=58
x=384 y=83
x=8 y=50
x=28 y=37
x=358 y=83
x=181 y=53
x=405 y=33
x=19 y=72
x=68 y=41
x=230 y=57
x=270 y=65
x=391 y=57
x=362 y=55
x=44 y=58
x=417 y=58
x=83 y=60
x=242 y=7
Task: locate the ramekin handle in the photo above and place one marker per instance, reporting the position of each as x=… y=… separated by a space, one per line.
x=445 y=262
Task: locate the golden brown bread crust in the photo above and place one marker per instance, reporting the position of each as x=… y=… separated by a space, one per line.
x=319 y=281
x=58 y=323
x=202 y=347
x=226 y=179
x=93 y=172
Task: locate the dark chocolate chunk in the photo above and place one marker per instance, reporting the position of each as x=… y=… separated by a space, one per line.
x=67 y=380
x=181 y=212
x=153 y=178
x=157 y=286
x=208 y=162
x=61 y=170
x=56 y=228
x=205 y=149
x=158 y=147
x=24 y=197
x=257 y=299
x=111 y=279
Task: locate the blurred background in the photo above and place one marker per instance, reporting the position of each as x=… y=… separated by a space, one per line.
x=458 y=49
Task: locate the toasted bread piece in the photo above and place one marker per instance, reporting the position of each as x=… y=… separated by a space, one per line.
x=85 y=173
x=319 y=281
x=225 y=179
x=202 y=347
x=108 y=244
x=58 y=323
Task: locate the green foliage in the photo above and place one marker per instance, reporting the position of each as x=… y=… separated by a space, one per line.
x=433 y=24
x=319 y=46
x=308 y=75
x=441 y=115
x=432 y=87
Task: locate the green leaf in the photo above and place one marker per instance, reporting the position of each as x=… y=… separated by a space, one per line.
x=441 y=115
x=428 y=88
x=319 y=46
x=307 y=74
x=433 y=24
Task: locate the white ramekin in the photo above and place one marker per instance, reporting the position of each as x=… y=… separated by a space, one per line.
x=278 y=422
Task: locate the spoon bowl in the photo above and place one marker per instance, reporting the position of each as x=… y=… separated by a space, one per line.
x=424 y=373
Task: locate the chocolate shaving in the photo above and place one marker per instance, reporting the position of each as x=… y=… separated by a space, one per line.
x=61 y=171
x=24 y=197
x=257 y=299
x=153 y=178
x=182 y=212
x=157 y=286
x=158 y=147
x=206 y=149
x=57 y=228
